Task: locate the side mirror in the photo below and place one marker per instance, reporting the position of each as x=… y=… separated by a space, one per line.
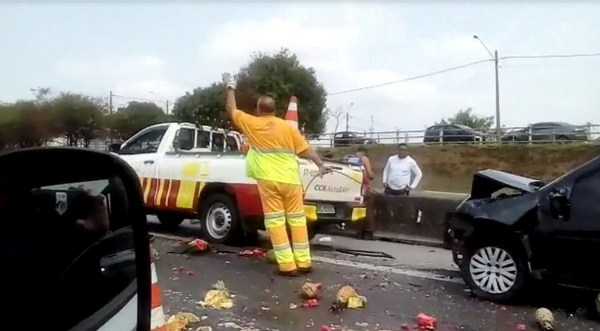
x=73 y=229
x=560 y=206
x=115 y=147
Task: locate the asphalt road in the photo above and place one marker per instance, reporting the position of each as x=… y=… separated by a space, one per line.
x=413 y=280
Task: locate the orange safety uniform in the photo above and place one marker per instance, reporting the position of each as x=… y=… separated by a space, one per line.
x=271 y=160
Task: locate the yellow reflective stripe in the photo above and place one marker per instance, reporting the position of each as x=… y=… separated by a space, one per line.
x=274 y=222
x=273 y=150
x=276 y=166
x=281 y=247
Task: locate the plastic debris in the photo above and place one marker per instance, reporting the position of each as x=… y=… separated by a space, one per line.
x=181 y=321
x=347 y=297
x=325 y=239
x=310 y=290
x=218 y=297
x=544 y=319
x=521 y=327
x=325 y=328
x=426 y=322
x=405 y=327
x=204 y=328
x=252 y=252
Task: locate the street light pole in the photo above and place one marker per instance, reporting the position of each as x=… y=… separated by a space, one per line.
x=497 y=81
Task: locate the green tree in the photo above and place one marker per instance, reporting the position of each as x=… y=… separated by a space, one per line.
x=466 y=117
x=132 y=118
x=23 y=124
x=281 y=75
x=204 y=106
x=77 y=117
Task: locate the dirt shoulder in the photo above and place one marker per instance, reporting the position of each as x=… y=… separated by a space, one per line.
x=450 y=168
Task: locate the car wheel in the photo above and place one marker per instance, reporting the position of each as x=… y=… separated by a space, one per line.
x=495 y=272
x=170 y=220
x=220 y=220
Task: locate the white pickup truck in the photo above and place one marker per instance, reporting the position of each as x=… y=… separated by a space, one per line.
x=199 y=173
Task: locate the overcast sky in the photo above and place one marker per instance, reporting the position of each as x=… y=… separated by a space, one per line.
x=161 y=50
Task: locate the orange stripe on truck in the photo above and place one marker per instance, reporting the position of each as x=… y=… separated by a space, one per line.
x=152 y=192
x=171 y=193
x=172 y=197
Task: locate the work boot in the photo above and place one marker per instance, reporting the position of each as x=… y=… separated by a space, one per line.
x=292 y=273
x=304 y=271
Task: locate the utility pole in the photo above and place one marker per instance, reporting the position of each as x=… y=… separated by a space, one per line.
x=347 y=121
x=167 y=107
x=498 y=127
x=110 y=112
x=496 y=66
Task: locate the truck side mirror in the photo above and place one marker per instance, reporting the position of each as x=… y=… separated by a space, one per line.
x=560 y=206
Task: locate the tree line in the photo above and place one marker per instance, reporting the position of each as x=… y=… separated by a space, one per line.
x=78 y=118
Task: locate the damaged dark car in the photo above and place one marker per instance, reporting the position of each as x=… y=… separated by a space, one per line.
x=512 y=230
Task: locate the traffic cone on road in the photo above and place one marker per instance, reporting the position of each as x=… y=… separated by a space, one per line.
x=157 y=315
x=292 y=113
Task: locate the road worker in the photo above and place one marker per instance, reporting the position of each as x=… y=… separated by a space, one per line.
x=271 y=160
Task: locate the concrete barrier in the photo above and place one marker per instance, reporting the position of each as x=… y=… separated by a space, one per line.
x=416 y=220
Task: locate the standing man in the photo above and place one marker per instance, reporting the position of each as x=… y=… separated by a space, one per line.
x=361 y=159
x=271 y=160
x=401 y=173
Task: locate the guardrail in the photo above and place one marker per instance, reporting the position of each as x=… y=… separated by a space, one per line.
x=518 y=135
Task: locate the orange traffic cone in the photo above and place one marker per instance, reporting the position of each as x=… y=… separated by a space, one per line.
x=292 y=113
x=157 y=314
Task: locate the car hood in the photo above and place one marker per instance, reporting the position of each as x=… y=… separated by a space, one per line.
x=507 y=210
x=486 y=182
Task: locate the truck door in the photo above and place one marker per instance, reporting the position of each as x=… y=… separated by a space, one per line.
x=142 y=151
x=567 y=246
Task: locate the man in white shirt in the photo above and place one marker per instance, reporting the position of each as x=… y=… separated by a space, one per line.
x=401 y=173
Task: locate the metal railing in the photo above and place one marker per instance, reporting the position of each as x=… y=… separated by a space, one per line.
x=515 y=135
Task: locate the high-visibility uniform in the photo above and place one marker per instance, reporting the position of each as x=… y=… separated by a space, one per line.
x=271 y=160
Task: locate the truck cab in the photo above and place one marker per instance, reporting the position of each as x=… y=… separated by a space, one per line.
x=198 y=172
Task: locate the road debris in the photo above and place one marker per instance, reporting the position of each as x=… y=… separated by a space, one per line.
x=310 y=290
x=521 y=327
x=426 y=322
x=181 y=321
x=544 y=319
x=252 y=252
x=347 y=297
x=204 y=328
x=194 y=247
x=218 y=297
x=310 y=303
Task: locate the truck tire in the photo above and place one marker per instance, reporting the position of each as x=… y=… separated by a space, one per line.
x=220 y=220
x=495 y=272
x=170 y=220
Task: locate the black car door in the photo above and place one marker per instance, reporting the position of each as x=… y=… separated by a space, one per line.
x=451 y=133
x=567 y=247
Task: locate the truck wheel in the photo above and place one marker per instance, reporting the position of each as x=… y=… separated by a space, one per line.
x=495 y=272
x=170 y=220
x=220 y=220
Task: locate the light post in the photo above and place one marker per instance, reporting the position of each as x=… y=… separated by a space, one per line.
x=495 y=58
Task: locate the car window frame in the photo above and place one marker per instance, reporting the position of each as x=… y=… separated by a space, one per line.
x=125 y=151
x=194 y=139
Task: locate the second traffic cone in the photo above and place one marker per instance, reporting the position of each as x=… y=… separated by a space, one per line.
x=157 y=315
x=291 y=116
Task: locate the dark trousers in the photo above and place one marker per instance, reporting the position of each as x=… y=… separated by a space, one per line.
x=389 y=191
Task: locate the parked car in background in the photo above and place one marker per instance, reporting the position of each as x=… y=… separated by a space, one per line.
x=548 y=131
x=347 y=138
x=452 y=133
x=512 y=230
